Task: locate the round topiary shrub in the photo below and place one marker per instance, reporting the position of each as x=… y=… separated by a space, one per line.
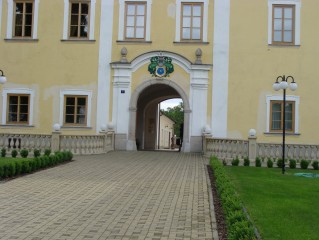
x=258 y=162
x=235 y=162
x=270 y=163
x=14 y=153
x=246 y=162
x=304 y=164
x=3 y=152
x=292 y=163
x=24 y=153
x=36 y=153
x=315 y=165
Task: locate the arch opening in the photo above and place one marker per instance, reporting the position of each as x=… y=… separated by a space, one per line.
x=144 y=129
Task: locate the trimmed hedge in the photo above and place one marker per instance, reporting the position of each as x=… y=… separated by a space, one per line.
x=238 y=226
x=21 y=166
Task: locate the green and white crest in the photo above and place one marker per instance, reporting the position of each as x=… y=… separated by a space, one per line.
x=161 y=66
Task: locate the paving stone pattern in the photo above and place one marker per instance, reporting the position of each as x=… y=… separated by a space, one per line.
x=121 y=195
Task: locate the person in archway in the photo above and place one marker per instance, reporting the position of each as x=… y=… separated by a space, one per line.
x=181 y=131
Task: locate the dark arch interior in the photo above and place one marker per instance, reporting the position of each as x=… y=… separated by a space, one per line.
x=147 y=107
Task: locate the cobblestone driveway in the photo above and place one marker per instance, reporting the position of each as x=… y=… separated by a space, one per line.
x=121 y=195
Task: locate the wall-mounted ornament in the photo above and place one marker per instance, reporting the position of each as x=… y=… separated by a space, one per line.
x=161 y=66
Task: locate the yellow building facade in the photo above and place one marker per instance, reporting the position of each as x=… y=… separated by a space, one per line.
x=88 y=66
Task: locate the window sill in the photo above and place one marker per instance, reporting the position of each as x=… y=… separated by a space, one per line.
x=284 y=45
x=280 y=134
x=78 y=40
x=75 y=127
x=133 y=42
x=191 y=42
x=16 y=126
x=21 y=39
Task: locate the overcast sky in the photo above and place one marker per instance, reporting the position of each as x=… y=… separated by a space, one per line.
x=170 y=103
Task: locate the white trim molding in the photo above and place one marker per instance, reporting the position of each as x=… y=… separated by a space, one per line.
x=0 y=14
x=65 y=35
x=10 y=19
x=120 y=36
x=221 y=68
x=291 y=98
x=178 y=18
x=17 y=91
x=297 y=4
x=104 y=70
x=77 y=92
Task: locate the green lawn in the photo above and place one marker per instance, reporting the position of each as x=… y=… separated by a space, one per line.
x=281 y=206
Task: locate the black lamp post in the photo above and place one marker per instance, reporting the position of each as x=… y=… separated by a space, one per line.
x=283 y=84
x=3 y=78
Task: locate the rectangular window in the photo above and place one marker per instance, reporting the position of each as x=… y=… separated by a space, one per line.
x=135 y=20
x=192 y=21
x=18 y=109
x=23 y=19
x=75 y=110
x=276 y=118
x=79 y=20
x=283 y=23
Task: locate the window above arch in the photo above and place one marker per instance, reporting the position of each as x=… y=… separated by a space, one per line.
x=191 y=20
x=134 y=20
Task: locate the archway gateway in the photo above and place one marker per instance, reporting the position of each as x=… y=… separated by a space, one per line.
x=144 y=113
x=131 y=88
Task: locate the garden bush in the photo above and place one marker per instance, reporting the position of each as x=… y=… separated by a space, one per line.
x=24 y=153
x=22 y=166
x=292 y=163
x=47 y=152
x=235 y=162
x=304 y=164
x=315 y=165
x=270 y=163
x=14 y=153
x=258 y=162
x=3 y=152
x=279 y=163
x=36 y=153
x=246 y=162
x=238 y=226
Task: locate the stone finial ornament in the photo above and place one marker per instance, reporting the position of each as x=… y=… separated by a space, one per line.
x=123 y=54
x=198 y=54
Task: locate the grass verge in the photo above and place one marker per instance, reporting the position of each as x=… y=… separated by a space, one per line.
x=281 y=206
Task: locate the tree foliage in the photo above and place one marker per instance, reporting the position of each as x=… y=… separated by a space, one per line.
x=177 y=115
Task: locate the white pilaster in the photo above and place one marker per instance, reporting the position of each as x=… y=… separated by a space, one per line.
x=221 y=68
x=105 y=58
x=121 y=97
x=198 y=99
x=0 y=14
x=9 y=19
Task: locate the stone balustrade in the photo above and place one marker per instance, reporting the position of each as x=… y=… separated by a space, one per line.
x=77 y=144
x=226 y=148
x=231 y=148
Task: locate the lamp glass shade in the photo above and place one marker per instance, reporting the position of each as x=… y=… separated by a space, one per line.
x=3 y=79
x=283 y=85
x=293 y=86
x=276 y=86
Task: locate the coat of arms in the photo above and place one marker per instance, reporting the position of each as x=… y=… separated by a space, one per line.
x=161 y=66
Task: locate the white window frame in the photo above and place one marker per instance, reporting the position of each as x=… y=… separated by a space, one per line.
x=10 y=20
x=25 y=91
x=295 y=99
x=121 y=36
x=65 y=35
x=0 y=14
x=75 y=92
x=178 y=18
x=297 y=4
